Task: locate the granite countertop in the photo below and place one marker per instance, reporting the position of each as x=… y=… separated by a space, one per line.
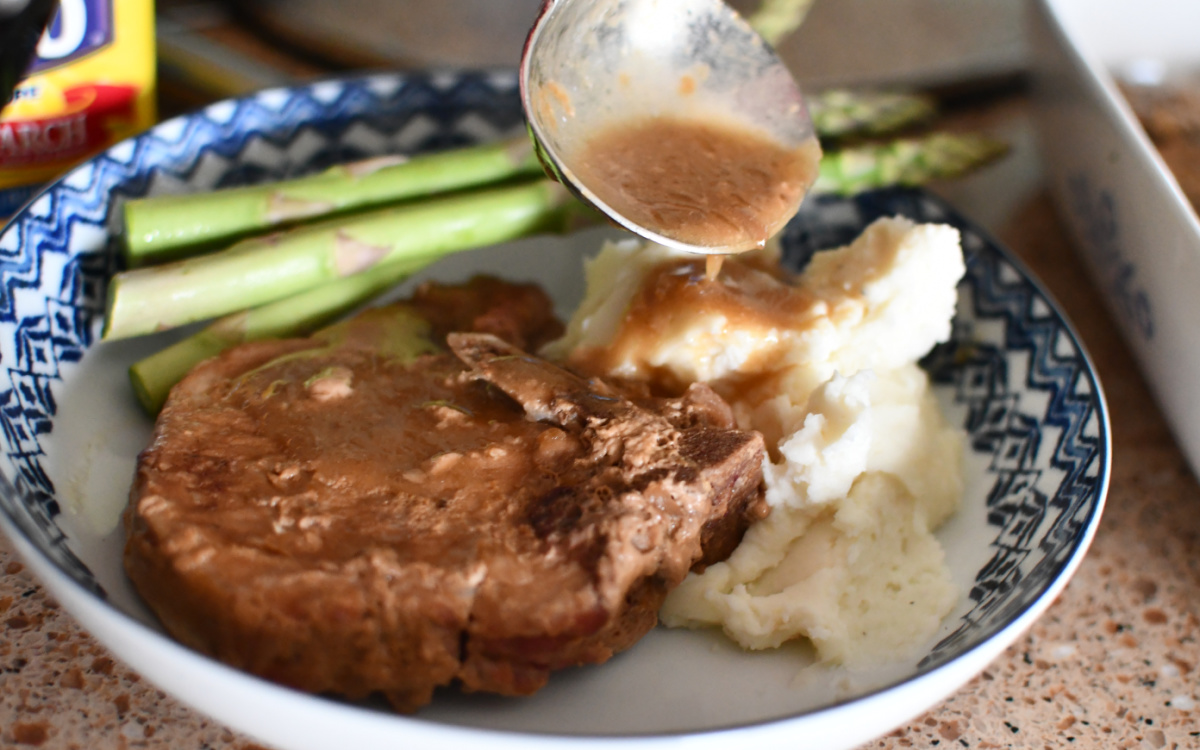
x=1114 y=663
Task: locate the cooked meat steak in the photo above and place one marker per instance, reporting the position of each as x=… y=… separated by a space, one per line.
x=365 y=510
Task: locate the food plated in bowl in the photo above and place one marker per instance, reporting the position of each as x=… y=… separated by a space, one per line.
x=1012 y=375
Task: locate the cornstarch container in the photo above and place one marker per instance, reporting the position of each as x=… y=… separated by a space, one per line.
x=90 y=85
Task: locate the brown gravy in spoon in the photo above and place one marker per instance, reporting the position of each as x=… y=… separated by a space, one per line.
x=705 y=184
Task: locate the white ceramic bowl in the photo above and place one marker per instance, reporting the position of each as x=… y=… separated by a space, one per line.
x=1014 y=376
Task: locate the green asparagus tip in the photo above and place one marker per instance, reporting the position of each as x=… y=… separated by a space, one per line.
x=776 y=19
x=840 y=113
x=906 y=161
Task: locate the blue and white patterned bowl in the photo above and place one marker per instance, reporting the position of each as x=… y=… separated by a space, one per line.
x=1014 y=376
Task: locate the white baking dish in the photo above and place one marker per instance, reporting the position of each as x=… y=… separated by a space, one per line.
x=1138 y=233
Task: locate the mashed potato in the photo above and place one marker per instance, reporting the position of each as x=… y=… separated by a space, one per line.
x=862 y=465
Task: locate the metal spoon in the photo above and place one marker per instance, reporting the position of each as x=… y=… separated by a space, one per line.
x=592 y=64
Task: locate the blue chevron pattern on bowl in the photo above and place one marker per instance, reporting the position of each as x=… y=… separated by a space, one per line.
x=1031 y=401
x=1014 y=373
x=56 y=256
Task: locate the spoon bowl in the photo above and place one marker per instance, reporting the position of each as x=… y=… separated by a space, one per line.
x=591 y=65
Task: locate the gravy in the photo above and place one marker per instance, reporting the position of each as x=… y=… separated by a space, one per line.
x=676 y=294
x=706 y=184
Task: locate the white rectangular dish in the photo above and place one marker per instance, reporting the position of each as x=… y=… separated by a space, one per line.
x=1137 y=231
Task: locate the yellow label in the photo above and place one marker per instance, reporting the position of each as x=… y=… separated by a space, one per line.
x=91 y=85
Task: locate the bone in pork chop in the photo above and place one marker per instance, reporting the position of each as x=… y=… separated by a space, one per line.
x=366 y=510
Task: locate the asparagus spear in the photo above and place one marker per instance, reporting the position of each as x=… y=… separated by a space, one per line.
x=298 y=315
x=163 y=227
x=846 y=171
x=907 y=161
x=840 y=112
x=775 y=19
x=264 y=269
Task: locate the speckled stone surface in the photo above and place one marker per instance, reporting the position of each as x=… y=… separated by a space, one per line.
x=1115 y=663
x=60 y=689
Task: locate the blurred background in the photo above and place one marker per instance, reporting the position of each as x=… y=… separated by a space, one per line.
x=126 y=64
x=215 y=48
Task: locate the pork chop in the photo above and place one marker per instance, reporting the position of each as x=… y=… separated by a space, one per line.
x=368 y=510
